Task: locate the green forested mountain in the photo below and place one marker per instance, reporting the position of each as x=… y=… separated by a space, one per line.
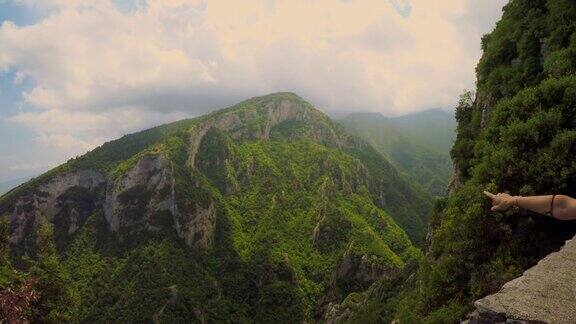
x=418 y=144
x=517 y=134
x=266 y=211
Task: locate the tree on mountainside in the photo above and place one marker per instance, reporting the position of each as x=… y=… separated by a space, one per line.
x=54 y=300
x=17 y=292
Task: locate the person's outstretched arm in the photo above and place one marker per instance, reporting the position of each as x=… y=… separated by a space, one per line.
x=558 y=206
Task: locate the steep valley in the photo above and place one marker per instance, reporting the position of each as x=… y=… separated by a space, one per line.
x=418 y=144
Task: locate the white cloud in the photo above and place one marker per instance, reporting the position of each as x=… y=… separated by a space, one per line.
x=19 y=77
x=101 y=71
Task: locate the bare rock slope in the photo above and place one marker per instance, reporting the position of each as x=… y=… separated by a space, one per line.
x=545 y=293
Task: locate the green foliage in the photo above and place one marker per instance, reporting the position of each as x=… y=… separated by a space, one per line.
x=463 y=150
x=562 y=62
x=4 y=245
x=8 y=276
x=408 y=205
x=54 y=302
x=380 y=302
x=107 y=157
x=279 y=303
x=214 y=157
x=332 y=231
x=150 y=277
x=533 y=41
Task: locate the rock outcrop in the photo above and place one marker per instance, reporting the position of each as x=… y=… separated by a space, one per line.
x=354 y=270
x=46 y=202
x=336 y=313
x=455 y=181
x=144 y=199
x=140 y=199
x=234 y=124
x=360 y=268
x=545 y=293
x=141 y=194
x=199 y=230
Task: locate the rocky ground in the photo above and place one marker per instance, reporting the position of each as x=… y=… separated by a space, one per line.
x=545 y=293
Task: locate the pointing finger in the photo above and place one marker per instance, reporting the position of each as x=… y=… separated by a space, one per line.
x=491 y=195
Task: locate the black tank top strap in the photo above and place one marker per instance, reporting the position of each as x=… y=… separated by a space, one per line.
x=551 y=212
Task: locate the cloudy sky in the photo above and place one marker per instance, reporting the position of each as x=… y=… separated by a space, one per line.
x=76 y=73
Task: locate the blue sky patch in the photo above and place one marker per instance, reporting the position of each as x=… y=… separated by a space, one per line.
x=402 y=7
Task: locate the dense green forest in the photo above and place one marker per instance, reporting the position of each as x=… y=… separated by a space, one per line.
x=515 y=133
x=418 y=144
x=287 y=216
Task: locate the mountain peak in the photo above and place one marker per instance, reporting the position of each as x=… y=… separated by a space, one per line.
x=278 y=102
x=282 y=95
x=275 y=96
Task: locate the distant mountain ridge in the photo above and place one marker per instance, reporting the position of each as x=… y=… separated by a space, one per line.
x=418 y=143
x=266 y=211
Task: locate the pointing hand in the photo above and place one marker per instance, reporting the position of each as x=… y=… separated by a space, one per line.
x=501 y=201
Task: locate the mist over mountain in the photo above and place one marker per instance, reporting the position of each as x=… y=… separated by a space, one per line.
x=418 y=143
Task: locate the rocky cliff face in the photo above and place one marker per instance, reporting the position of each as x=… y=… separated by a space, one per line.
x=141 y=199
x=139 y=196
x=354 y=270
x=58 y=201
x=545 y=293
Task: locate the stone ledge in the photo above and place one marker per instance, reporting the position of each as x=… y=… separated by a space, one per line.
x=545 y=293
